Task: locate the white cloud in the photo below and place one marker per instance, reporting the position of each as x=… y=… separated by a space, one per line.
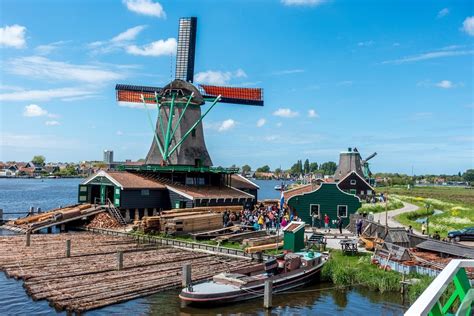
x=46 y=95
x=157 y=48
x=288 y=72
x=129 y=34
x=134 y=105
x=445 y=84
x=313 y=113
x=44 y=68
x=52 y=123
x=285 y=112
x=261 y=122
x=49 y=48
x=226 y=125
x=145 y=7
x=430 y=55
x=13 y=36
x=34 y=110
x=468 y=25
x=443 y=12
x=213 y=77
x=366 y=43
x=303 y=2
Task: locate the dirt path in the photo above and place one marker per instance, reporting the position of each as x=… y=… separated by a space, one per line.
x=407 y=207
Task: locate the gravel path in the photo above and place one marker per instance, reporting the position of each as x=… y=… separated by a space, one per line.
x=407 y=207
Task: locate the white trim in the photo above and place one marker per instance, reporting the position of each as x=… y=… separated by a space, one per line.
x=250 y=195
x=324 y=183
x=319 y=210
x=347 y=210
x=353 y=182
x=244 y=178
x=103 y=173
x=359 y=178
x=189 y=197
x=301 y=225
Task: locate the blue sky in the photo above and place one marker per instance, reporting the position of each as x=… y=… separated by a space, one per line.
x=394 y=77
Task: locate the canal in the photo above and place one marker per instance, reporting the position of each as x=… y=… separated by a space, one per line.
x=319 y=299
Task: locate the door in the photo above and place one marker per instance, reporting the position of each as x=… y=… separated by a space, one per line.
x=103 y=194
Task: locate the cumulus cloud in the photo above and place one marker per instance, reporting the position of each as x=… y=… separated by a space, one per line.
x=44 y=68
x=312 y=114
x=157 y=48
x=34 y=110
x=146 y=7
x=226 y=125
x=218 y=77
x=303 y=2
x=468 y=25
x=443 y=12
x=445 y=84
x=261 y=122
x=13 y=36
x=285 y=112
x=118 y=42
x=51 y=123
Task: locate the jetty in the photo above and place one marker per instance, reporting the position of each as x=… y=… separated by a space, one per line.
x=78 y=272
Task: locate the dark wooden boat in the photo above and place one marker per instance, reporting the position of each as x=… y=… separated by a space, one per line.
x=287 y=272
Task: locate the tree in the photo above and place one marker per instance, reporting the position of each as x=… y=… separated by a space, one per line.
x=306 y=166
x=38 y=160
x=265 y=168
x=468 y=175
x=246 y=169
x=278 y=171
x=313 y=167
x=328 y=167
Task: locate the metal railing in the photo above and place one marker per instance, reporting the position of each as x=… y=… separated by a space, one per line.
x=115 y=213
x=429 y=302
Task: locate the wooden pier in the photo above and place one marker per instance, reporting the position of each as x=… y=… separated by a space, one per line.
x=83 y=271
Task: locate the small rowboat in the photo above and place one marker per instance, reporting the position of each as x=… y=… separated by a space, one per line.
x=286 y=272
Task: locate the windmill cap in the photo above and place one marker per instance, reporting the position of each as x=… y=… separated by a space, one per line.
x=182 y=89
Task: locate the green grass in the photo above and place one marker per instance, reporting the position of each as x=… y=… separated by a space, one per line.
x=394 y=203
x=460 y=196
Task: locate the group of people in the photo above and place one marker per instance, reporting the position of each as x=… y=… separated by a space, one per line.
x=260 y=217
x=327 y=223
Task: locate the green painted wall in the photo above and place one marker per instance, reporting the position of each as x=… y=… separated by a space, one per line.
x=293 y=241
x=328 y=196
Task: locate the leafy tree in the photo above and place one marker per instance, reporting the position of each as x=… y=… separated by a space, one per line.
x=313 y=167
x=469 y=175
x=306 y=166
x=246 y=169
x=265 y=168
x=296 y=168
x=328 y=168
x=38 y=160
x=278 y=171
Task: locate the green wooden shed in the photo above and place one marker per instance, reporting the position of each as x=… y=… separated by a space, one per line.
x=327 y=199
x=293 y=236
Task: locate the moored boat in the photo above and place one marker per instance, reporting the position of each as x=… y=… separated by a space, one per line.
x=286 y=272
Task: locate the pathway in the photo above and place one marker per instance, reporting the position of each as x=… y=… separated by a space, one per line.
x=407 y=207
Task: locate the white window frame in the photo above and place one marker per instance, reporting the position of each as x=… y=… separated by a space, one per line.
x=347 y=210
x=144 y=192
x=319 y=210
x=353 y=182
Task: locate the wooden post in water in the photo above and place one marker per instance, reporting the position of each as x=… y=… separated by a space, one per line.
x=32 y=210
x=68 y=248
x=28 y=238
x=119 y=260
x=267 y=294
x=1 y=215
x=186 y=280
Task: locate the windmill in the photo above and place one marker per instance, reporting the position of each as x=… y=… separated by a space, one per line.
x=365 y=164
x=178 y=137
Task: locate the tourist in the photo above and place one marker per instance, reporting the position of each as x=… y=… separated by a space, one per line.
x=436 y=236
x=326 y=223
x=339 y=224
x=359 y=226
x=260 y=221
x=423 y=228
x=410 y=229
x=284 y=222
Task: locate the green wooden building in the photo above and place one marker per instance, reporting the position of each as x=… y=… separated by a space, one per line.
x=293 y=236
x=327 y=199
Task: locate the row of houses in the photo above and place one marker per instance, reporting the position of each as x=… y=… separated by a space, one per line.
x=31 y=169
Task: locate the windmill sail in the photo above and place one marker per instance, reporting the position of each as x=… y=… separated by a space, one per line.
x=186 y=49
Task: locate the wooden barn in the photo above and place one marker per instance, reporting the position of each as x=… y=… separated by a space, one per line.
x=353 y=183
x=328 y=199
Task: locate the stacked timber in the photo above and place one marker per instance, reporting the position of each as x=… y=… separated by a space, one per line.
x=258 y=241
x=149 y=224
x=205 y=209
x=241 y=236
x=263 y=247
x=191 y=223
x=104 y=220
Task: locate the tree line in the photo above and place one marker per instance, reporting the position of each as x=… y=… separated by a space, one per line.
x=298 y=168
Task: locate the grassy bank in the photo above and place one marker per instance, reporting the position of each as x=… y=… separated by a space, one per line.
x=357 y=270
x=460 y=196
x=394 y=203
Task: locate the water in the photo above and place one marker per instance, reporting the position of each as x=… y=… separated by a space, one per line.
x=422 y=220
x=267 y=188
x=20 y=194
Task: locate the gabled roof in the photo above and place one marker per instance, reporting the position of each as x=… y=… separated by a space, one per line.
x=358 y=175
x=127 y=180
x=447 y=248
x=207 y=192
x=240 y=182
x=325 y=184
x=299 y=190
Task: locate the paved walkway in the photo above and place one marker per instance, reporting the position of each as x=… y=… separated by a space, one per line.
x=407 y=207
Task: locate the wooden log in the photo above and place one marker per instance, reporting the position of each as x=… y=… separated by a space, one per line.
x=263 y=247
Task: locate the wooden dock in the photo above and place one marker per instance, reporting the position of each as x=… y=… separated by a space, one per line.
x=92 y=276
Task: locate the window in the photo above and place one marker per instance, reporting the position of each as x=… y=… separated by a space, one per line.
x=83 y=189
x=369 y=192
x=117 y=191
x=145 y=192
x=82 y=198
x=342 y=210
x=314 y=209
x=353 y=191
x=353 y=182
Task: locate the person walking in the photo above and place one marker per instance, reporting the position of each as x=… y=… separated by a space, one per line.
x=359 y=226
x=326 y=223
x=423 y=228
x=339 y=224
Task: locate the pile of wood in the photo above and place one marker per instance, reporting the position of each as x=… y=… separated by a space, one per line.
x=205 y=209
x=104 y=220
x=63 y=213
x=263 y=247
x=258 y=241
x=191 y=223
x=89 y=279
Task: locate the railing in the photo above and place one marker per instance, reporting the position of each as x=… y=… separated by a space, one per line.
x=115 y=212
x=181 y=243
x=429 y=302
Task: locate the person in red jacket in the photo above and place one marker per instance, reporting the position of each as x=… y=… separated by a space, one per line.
x=326 y=223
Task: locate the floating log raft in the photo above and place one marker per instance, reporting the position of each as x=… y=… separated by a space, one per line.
x=90 y=279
